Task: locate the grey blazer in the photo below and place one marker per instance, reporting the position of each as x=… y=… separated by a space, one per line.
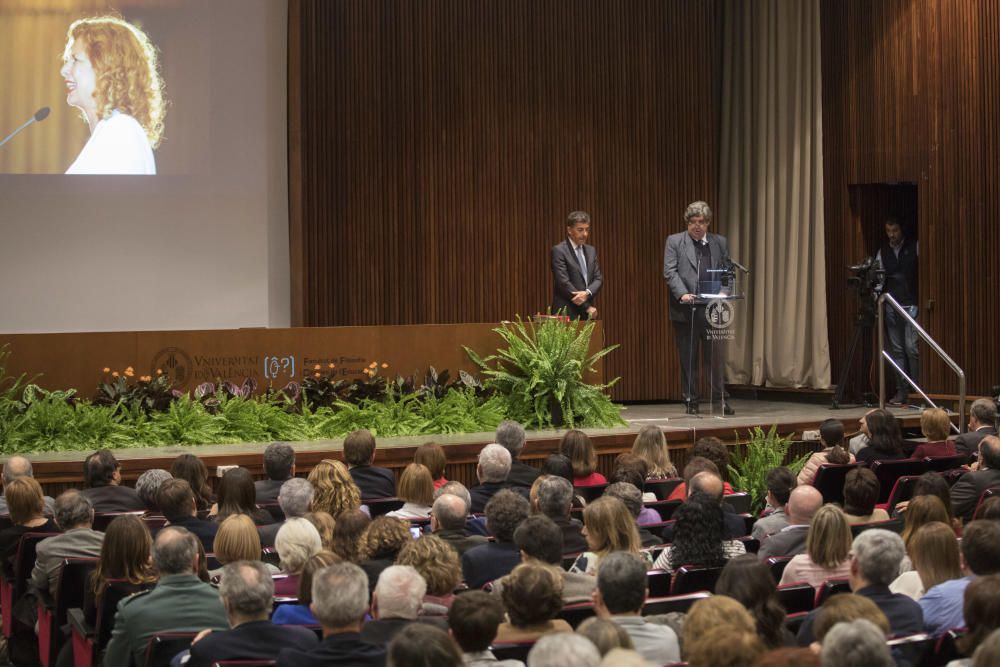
x=680 y=268
x=567 y=277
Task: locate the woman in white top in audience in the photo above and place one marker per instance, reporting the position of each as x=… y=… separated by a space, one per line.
x=416 y=490
x=111 y=75
x=933 y=550
x=828 y=544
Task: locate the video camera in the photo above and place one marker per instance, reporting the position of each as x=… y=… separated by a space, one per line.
x=867 y=277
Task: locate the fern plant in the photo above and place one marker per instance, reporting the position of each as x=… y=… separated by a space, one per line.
x=763 y=451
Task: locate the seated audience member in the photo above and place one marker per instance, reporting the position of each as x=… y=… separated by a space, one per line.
x=473 y=621
x=482 y=564
x=295 y=499
x=416 y=490
x=438 y=563
x=246 y=590
x=474 y=525
x=933 y=484
x=564 y=648
x=982 y=422
x=633 y=470
x=558 y=465
x=828 y=548
x=935 y=424
x=396 y=601
x=348 y=533
x=555 y=499
x=861 y=489
x=788 y=657
x=605 y=634
x=324 y=525
x=698 y=537
x=148 y=487
x=359 y=453
x=577 y=447
x=608 y=526
x=847 y=607
x=852 y=643
x=179 y=507
x=432 y=456
x=540 y=540
x=989 y=509
x=710 y=614
x=279 y=466
x=982 y=616
x=651 y=446
x=715 y=452
x=968 y=489
x=511 y=435
x=383 y=541
x=708 y=484
x=532 y=597
x=632 y=498
x=831 y=434
x=934 y=556
x=237 y=540
x=860 y=440
x=942 y=604
x=193 y=471
x=877 y=555
x=920 y=511
x=803 y=503
x=299 y=612
x=334 y=489
x=25 y=505
x=724 y=646
x=236 y=496
x=339 y=602
x=296 y=542
x=19 y=466
x=448 y=516
x=102 y=477
x=422 y=645
x=621 y=593
x=885 y=440
x=987 y=655
x=75 y=517
x=749 y=582
x=125 y=557
x=179 y=603
x=491 y=471
x=779 y=481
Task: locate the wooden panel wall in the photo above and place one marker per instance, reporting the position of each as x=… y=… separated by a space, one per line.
x=436 y=148
x=911 y=92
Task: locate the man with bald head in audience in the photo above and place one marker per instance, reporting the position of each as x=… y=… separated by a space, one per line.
x=18 y=466
x=448 y=516
x=803 y=502
x=710 y=485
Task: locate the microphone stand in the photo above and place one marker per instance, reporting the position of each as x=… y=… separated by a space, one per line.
x=691 y=342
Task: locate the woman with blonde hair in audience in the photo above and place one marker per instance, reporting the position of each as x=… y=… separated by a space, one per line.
x=237 y=540
x=532 y=596
x=25 y=504
x=296 y=542
x=432 y=456
x=651 y=445
x=577 y=447
x=921 y=511
x=336 y=491
x=299 y=613
x=935 y=424
x=324 y=525
x=608 y=526
x=438 y=563
x=828 y=547
x=714 y=612
x=698 y=537
x=933 y=550
x=381 y=544
x=416 y=490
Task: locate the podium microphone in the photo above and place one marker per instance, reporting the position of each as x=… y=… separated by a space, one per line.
x=39 y=116
x=739 y=266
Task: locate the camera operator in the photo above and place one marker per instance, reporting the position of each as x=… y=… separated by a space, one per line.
x=898 y=258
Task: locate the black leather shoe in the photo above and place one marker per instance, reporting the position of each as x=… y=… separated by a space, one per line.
x=727 y=410
x=692 y=408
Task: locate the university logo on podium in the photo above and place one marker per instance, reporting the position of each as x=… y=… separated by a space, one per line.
x=720 y=314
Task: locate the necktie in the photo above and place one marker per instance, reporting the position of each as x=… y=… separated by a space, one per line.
x=583 y=262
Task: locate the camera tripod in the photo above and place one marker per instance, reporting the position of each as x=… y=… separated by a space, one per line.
x=863 y=323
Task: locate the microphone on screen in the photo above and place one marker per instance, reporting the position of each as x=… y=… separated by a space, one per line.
x=39 y=116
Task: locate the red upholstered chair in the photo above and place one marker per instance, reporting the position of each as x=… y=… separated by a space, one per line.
x=662 y=488
x=14 y=582
x=678 y=603
x=829 y=481
x=831 y=587
x=797 y=597
x=575 y=614
x=163 y=646
x=590 y=492
x=512 y=650
x=52 y=609
x=888 y=472
x=694 y=578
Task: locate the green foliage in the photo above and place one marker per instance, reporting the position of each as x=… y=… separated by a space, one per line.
x=763 y=451
x=540 y=375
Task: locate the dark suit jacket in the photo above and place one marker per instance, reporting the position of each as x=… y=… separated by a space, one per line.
x=340 y=649
x=788 y=542
x=968 y=443
x=481 y=494
x=374 y=482
x=114 y=499
x=490 y=561
x=680 y=268
x=267 y=490
x=268 y=533
x=521 y=474
x=257 y=640
x=567 y=277
x=382 y=630
x=904 y=614
x=458 y=539
x=203 y=530
x=573 y=540
x=966 y=491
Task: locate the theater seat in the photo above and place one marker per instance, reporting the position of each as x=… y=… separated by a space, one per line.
x=693 y=578
x=163 y=646
x=829 y=481
x=672 y=603
x=797 y=597
x=512 y=650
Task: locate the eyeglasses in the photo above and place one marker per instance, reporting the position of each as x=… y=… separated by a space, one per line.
x=699 y=223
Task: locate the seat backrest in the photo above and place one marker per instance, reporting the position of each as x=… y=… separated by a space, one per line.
x=902 y=490
x=512 y=650
x=5 y=521
x=590 y=492
x=662 y=488
x=274 y=509
x=797 y=597
x=672 y=603
x=575 y=614
x=115 y=590
x=380 y=506
x=942 y=463
x=73 y=581
x=24 y=561
x=913 y=648
x=888 y=472
x=829 y=480
x=658 y=582
x=831 y=587
x=750 y=544
x=778 y=565
x=895 y=525
x=739 y=501
x=103 y=519
x=244 y=663
x=665 y=508
x=694 y=578
x=163 y=646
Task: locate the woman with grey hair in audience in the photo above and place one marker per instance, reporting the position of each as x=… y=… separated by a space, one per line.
x=854 y=643
x=296 y=542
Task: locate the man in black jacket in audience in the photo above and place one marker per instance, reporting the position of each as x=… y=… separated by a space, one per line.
x=482 y=564
x=176 y=501
x=279 y=466
x=555 y=498
x=359 y=452
x=102 y=477
x=967 y=490
x=511 y=435
x=982 y=422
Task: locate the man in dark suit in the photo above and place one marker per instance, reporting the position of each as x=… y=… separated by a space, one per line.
x=576 y=275
x=396 y=602
x=967 y=490
x=982 y=422
x=176 y=500
x=688 y=259
x=181 y=602
x=803 y=502
x=279 y=466
x=359 y=452
x=247 y=590
x=707 y=483
x=492 y=471
x=102 y=476
x=555 y=499
x=448 y=515
x=511 y=435
x=340 y=602
x=493 y=560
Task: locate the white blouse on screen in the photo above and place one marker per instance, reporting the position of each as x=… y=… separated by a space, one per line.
x=118 y=145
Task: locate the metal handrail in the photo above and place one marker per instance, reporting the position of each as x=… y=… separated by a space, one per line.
x=887 y=298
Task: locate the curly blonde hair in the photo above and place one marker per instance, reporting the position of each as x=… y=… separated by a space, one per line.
x=336 y=491
x=385 y=537
x=436 y=561
x=126 y=68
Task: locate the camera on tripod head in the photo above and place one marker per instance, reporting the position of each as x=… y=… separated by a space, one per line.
x=867 y=277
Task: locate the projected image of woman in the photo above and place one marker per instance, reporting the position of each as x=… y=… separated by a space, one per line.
x=111 y=75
